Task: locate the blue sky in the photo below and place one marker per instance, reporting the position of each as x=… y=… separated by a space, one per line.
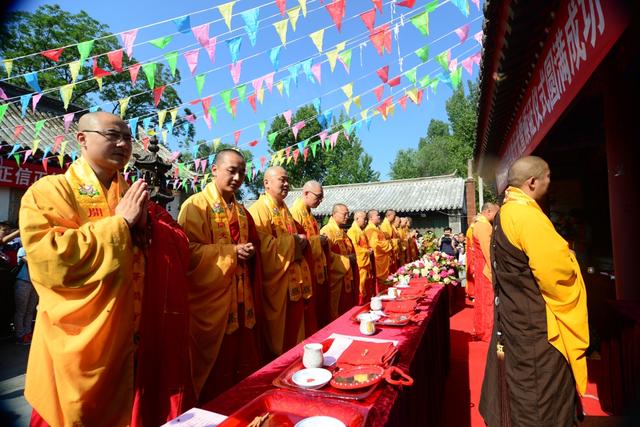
x=384 y=138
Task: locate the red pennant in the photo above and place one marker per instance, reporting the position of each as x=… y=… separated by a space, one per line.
x=97 y=71
x=403 y=102
x=282 y=5
x=157 y=94
x=45 y=164
x=252 y=101
x=305 y=153
x=133 y=70
x=407 y=3
x=206 y=103
x=234 y=106
x=56 y=144
x=378 y=92
x=336 y=10
x=18 y=131
x=383 y=73
x=420 y=96
x=253 y=143
x=53 y=54
x=394 y=81
x=378 y=5
x=378 y=38
x=288 y=152
x=236 y=137
x=115 y=59
x=369 y=19
x=263 y=159
x=296 y=153
x=145 y=142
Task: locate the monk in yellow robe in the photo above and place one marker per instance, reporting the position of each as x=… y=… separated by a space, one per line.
x=366 y=273
x=413 y=251
x=109 y=346
x=391 y=235
x=542 y=329
x=403 y=235
x=311 y=197
x=226 y=280
x=343 y=276
x=382 y=248
x=469 y=267
x=483 y=306
x=287 y=281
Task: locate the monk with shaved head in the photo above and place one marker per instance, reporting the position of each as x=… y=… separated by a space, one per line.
x=382 y=248
x=388 y=227
x=110 y=346
x=364 y=257
x=287 y=285
x=226 y=280
x=541 y=330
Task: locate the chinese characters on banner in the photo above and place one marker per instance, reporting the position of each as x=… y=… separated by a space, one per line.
x=579 y=40
x=22 y=176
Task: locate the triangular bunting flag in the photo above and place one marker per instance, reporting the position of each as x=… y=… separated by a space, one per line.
x=332 y=56
x=53 y=54
x=356 y=100
x=74 y=69
x=262 y=126
x=272 y=138
x=234 y=47
x=421 y=22
x=242 y=92
x=394 y=81
x=124 y=102
x=68 y=119
x=403 y=102
x=462 y=5
x=252 y=101
x=32 y=80
x=183 y=24
x=236 y=137
x=303 y=5
x=378 y=5
x=378 y=91
x=287 y=116
x=411 y=75
x=293 y=15
x=423 y=53
x=317 y=39
x=430 y=7
x=201 y=34
x=150 y=73
x=211 y=49
x=3 y=110
x=97 y=71
x=172 y=60
x=274 y=56
x=281 y=29
x=225 y=95
x=226 y=10
x=200 y=83
x=34 y=101
x=8 y=66
x=463 y=33
x=192 y=59
x=336 y=10
x=115 y=59
x=128 y=38
x=369 y=19
x=282 y=5
x=383 y=73
x=84 y=49
x=345 y=59
x=157 y=94
x=348 y=90
x=235 y=68
x=250 y=18
x=478 y=37
x=443 y=59
x=161 y=42
x=316 y=70
x=407 y=3
x=133 y=72
x=347 y=105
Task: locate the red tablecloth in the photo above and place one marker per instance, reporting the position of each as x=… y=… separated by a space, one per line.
x=424 y=353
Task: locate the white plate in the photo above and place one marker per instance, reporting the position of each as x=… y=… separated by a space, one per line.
x=311 y=378
x=387 y=298
x=321 y=421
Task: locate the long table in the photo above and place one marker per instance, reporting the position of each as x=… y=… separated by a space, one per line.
x=423 y=352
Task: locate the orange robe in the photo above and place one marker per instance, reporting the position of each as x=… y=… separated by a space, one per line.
x=224 y=297
x=471 y=281
x=343 y=275
x=360 y=243
x=90 y=279
x=287 y=284
x=391 y=234
x=483 y=307
x=382 y=252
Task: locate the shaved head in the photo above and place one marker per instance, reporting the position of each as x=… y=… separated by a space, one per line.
x=340 y=214
x=372 y=213
x=525 y=168
x=312 y=186
x=338 y=207
x=359 y=217
x=488 y=206
x=90 y=120
x=276 y=183
x=312 y=194
x=274 y=171
x=224 y=155
x=489 y=210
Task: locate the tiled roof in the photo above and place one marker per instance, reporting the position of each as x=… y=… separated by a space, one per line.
x=403 y=195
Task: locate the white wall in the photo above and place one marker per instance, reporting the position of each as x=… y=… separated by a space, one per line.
x=5 y=202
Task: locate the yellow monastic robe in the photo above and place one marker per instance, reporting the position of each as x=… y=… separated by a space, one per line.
x=391 y=235
x=340 y=274
x=382 y=250
x=361 y=247
x=402 y=245
x=558 y=275
x=285 y=281
x=301 y=213
x=89 y=278
x=482 y=230
x=219 y=282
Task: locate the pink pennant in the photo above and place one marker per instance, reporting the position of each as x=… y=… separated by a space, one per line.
x=253 y=143
x=145 y=143
x=257 y=83
x=45 y=164
x=463 y=33
x=97 y=71
x=268 y=79
x=236 y=137
x=115 y=59
x=378 y=91
x=316 y=70
x=323 y=135
x=174 y=157
x=128 y=37
x=206 y=104
x=234 y=106
x=369 y=19
x=346 y=67
x=263 y=160
x=235 y=68
x=282 y=5
x=207 y=120
x=18 y=131
x=201 y=34
x=26 y=156
x=57 y=143
x=211 y=49
x=190 y=118
x=296 y=128
x=407 y=3
x=334 y=138
x=336 y=10
x=477 y=3
x=252 y=101
x=192 y=59
x=296 y=154
x=287 y=116
x=34 y=101
x=467 y=64
x=287 y=152
x=157 y=94
x=403 y=102
x=382 y=108
x=394 y=81
x=478 y=37
x=383 y=73
x=305 y=153
x=453 y=64
x=204 y=165
x=378 y=5
x=68 y=119
x=476 y=58
x=53 y=54
x=133 y=71
x=3 y=95
x=196 y=163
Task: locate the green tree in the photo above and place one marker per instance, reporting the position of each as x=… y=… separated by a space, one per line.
x=50 y=27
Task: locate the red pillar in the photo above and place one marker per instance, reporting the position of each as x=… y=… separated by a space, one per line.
x=470 y=199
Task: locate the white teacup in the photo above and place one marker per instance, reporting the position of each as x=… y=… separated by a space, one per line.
x=393 y=292
x=375 y=304
x=313 y=357
x=367 y=324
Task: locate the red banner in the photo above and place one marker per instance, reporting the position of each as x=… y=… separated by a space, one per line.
x=580 y=38
x=22 y=176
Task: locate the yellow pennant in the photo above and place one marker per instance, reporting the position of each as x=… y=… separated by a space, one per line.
x=332 y=56
x=281 y=29
x=34 y=145
x=317 y=39
x=347 y=105
x=205 y=178
x=216 y=143
x=364 y=113
x=226 y=11
x=348 y=90
x=65 y=93
x=260 y=95
x=391 y=109
x=356 y=101
x=8 y=65
x=124 y=102
x=280 y=86
x=413 y=95
x=99 y=81
x=174 y=115
x=303 y=5
x=293 y=14
x=74 y=68
x=341 y=46
x=162 y=114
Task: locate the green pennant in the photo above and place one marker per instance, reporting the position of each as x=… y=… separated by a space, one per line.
x=17 y=157
x=421 y=22
x=456 y=77
x=226 y=98
x=347 y=126
x=425 y=81
x=262 y=125
x=213 y=112
x=242 y=91
x=423 y=53
x=150 y=72
x=430 y=7
x=441 y=58
x=85 y=49
x=172 y=60
x=161 y=42
x=200 y=82
x=249 y=170
x=434 y=85
x=272 y=138
x=411 y=75
x=3 y=109
x=345 y=56
x=38 y=127
x=314 y=147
